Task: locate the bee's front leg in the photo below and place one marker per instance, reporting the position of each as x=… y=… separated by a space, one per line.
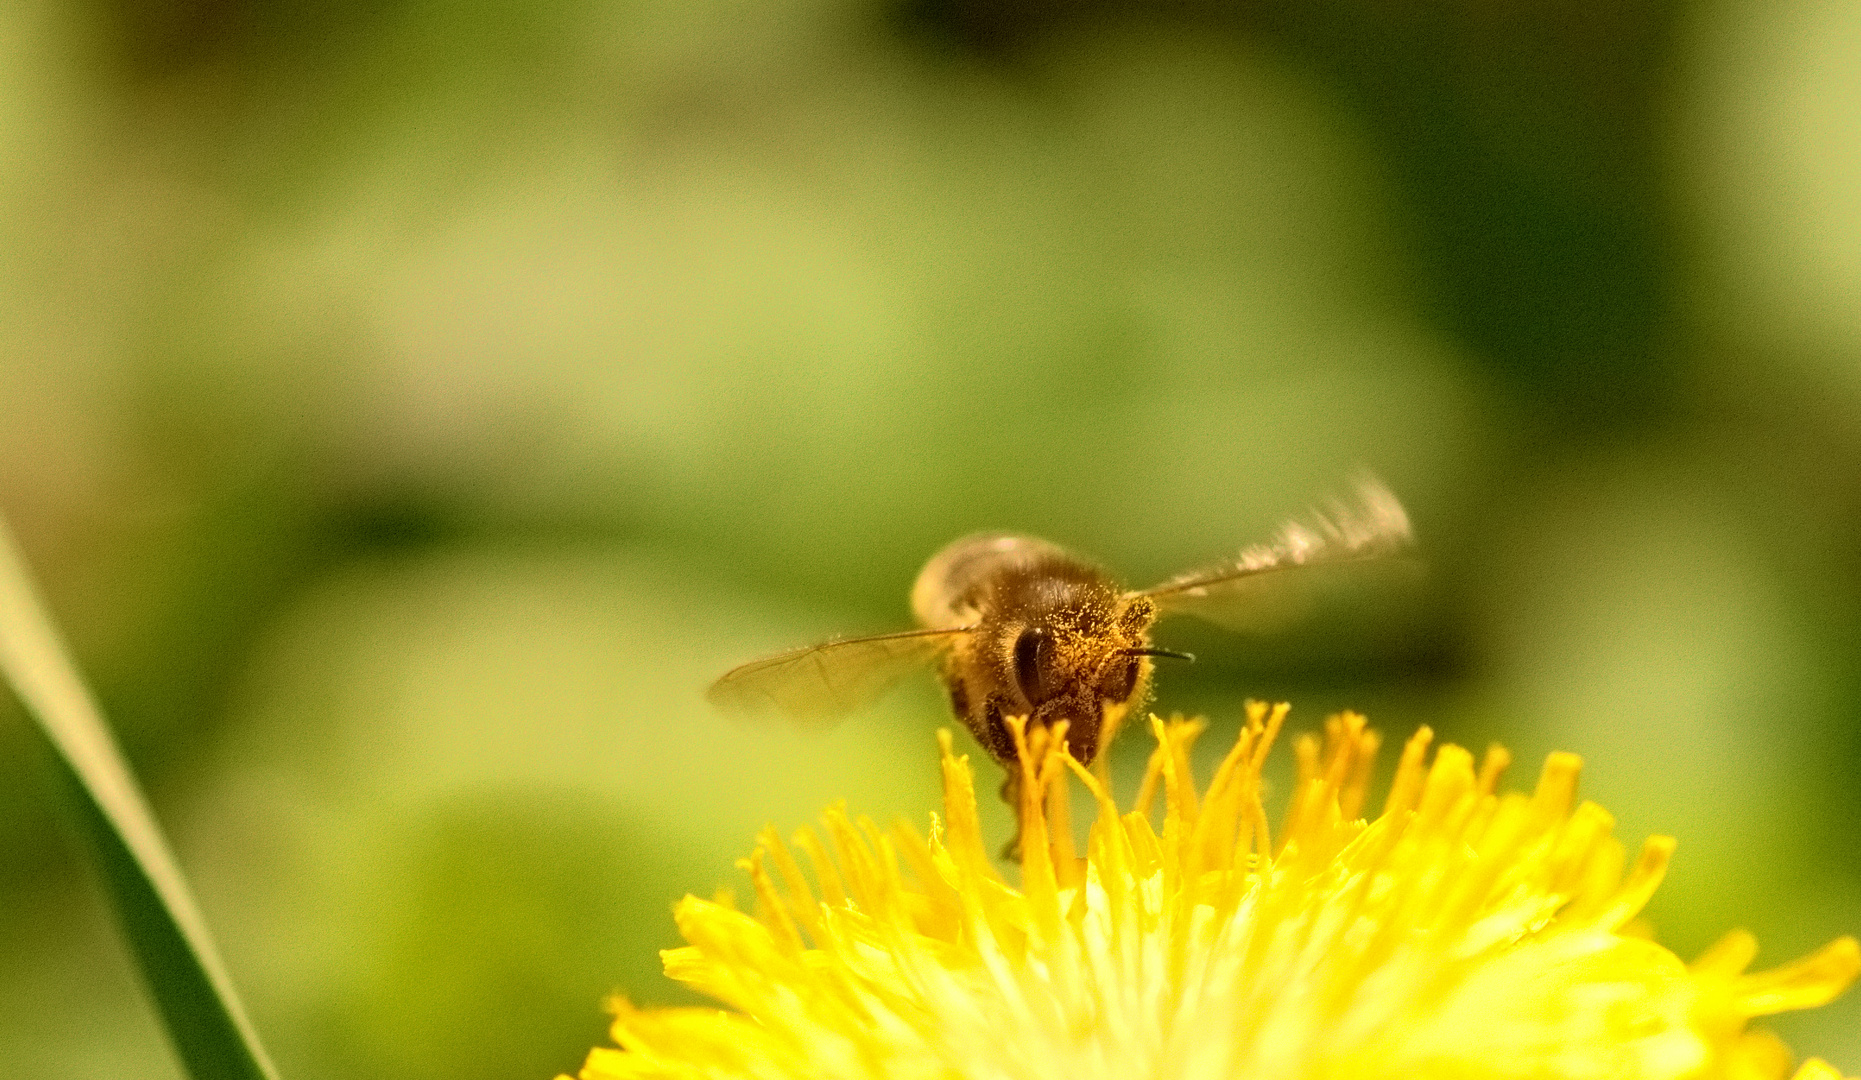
x=1011 y=794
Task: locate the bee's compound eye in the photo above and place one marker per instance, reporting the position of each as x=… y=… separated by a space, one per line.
x=1033 y=656
x=1121 y=681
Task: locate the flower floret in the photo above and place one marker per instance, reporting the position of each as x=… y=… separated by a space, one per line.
x=1463 y=931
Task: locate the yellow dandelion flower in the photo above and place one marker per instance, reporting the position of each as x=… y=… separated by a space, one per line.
x=1461 y=933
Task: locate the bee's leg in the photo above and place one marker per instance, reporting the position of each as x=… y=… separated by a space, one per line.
x=994 y=736
x=1011 y=794
x=959 y=697
x=992 y=732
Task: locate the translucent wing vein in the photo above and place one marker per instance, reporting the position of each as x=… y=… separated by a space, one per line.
x=829 y=680
x=1247 y=592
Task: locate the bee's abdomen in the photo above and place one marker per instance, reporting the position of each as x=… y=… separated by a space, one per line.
x=958 y=579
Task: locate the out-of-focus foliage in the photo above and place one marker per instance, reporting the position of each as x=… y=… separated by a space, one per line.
x=410 y=405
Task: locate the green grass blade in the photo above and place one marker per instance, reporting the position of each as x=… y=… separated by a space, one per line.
x=164 y=928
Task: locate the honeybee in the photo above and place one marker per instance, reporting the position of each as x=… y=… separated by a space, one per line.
x=1024 y=628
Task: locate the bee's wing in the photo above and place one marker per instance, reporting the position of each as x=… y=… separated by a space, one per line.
x=829 y=680
x=1249 y=593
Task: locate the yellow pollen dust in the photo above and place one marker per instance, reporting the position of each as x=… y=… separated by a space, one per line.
x=1462 y=932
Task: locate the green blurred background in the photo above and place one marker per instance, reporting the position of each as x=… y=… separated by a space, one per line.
x=410 y=404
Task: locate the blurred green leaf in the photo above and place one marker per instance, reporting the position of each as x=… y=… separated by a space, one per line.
x=192 y=991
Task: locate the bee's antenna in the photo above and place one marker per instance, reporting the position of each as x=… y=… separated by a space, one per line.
x=1171 y=653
